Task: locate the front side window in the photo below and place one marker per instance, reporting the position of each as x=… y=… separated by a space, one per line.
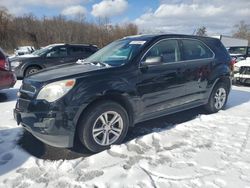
x=165 y=51
x=194 y=49
x=58 y=52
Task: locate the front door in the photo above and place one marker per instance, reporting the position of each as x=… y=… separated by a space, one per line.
x=57 y=56
x=161 y=83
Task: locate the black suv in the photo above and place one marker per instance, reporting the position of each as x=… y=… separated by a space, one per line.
x=52 y=55
x=131 y=80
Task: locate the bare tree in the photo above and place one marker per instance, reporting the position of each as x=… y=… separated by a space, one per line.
x=202 y=31
x=29 y=30
x=242 y=31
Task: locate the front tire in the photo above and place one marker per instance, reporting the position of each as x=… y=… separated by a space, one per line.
x=104 y=124
x=31 y=70
x=218 y=98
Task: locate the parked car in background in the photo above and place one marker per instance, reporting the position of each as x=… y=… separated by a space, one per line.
x=242 y=72
x=52 y=55
x=7 y=77
x=129 y=81
x=239 y=52
x=22 y=50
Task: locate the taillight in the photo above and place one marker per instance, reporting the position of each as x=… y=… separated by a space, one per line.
x=232 y=62
x=4 y=64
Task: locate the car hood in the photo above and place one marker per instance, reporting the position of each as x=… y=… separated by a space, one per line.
x=243 y=63
x=236 y=54
x=63 y=72
x=23 y=57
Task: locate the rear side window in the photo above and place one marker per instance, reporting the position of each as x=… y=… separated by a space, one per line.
x=194 y=49
x=167 y=50
x=76 y=50
x=80 y=50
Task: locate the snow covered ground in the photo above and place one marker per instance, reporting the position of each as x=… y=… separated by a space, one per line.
x=209 y=151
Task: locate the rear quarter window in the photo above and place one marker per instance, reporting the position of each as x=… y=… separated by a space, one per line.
x=195 y=49
x=81 y=50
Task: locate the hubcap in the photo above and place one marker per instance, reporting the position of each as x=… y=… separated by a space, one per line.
x=32 y=71
x=107 y=128
x=220 y=98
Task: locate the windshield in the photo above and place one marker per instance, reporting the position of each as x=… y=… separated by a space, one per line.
x=117 y=53
x=237 y=50
x=42 y=51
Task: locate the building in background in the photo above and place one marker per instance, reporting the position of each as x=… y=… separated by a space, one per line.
x=231 y=41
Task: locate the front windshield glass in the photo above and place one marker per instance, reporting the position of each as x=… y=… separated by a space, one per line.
x=237 y=50
x=117 y=53
x=42 y=51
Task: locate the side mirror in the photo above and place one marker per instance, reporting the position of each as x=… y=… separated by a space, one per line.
x=154 y=60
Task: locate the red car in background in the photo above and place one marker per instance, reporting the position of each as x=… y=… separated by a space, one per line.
x=7 y=77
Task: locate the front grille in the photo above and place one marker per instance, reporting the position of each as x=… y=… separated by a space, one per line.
x=22 y=104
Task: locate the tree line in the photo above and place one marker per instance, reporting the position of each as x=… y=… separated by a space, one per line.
x=241 y=30
x=29 y=30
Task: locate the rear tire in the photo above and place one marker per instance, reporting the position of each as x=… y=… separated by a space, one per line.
x=104 y=124
x=218 y=98
x=31 y=70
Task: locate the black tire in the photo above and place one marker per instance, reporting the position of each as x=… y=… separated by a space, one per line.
x=31 y=70
x=212 y=106
x=90 y=119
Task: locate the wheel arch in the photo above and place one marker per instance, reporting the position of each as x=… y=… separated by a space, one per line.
x=31 y=65
x=117 y=97
x=222 y=79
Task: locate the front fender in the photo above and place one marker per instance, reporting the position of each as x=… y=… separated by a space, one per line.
x=87 y=92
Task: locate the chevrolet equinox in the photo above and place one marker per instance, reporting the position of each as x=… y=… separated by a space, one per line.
x=131 y=80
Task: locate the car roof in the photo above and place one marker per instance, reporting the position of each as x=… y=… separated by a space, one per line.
x=62 y=44
x=156 y=36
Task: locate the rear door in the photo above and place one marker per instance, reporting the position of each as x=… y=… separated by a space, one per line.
x=198 y=58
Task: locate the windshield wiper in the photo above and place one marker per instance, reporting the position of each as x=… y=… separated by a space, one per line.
x=96 y=63
x=100 y=63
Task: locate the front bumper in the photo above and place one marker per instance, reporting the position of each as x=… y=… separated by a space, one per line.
x=51 y=127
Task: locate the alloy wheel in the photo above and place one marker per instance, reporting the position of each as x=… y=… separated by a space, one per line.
x=220 y=98
x=107 y=128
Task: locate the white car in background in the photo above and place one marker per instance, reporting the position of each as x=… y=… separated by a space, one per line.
x=242 y=72
x=22 y=50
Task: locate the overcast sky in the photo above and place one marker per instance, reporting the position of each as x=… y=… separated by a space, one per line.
x=170 y=16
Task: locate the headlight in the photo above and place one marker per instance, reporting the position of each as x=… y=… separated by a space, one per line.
x=15 y=63
x=56 y=90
